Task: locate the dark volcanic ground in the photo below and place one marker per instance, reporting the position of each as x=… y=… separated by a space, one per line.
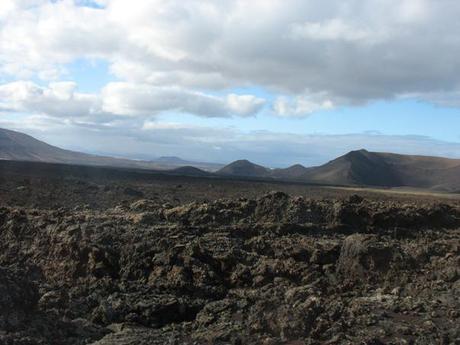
x=50 y=186
x=101 y=256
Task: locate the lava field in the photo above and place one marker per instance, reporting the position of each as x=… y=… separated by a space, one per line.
x=273 y=269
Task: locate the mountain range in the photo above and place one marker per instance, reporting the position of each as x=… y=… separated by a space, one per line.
x=22 y=147
x=364 y=168
x=356 y=168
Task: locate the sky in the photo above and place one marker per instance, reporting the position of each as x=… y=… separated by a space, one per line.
x=277 y=82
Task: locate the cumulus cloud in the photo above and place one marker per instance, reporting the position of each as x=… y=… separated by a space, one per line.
x=61 y=99
x=301 y=105
x=37 y=37
x=353 y=51
x=244 y=105
x=191 y=56
x=142 y=99
x=58 y=99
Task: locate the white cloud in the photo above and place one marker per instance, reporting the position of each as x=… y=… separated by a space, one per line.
x=152 y=139
x=414 y=10
x=61 y=99
x=354 y=51
x=244 y=105
x=142 y=99
x=333 y=29
x=151 y=125
x=58 y=99
x=6 y=7
x=301 y=105
x=188 y=56
x=38 y=36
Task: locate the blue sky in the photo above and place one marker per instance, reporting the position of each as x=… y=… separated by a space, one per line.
x=406 y=117
x=276 y=82
x=90 y=75
x=392 y=117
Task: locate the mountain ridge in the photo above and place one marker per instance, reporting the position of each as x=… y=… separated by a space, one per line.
x=244 y=168
x=355 y=168
x=376 y=169
x=23 y=147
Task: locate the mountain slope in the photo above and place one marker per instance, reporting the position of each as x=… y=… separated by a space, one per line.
x=364 y=168
x=22 y=147
x=19 y=146
x=425 y=171
x=189 y=171
x=172 y=162
x=293 y=172
x=389 y=170
x=355 y=168
x=244 y=168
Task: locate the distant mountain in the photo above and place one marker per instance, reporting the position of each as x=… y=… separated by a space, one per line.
x=424 y=171
x=358 y=168
x=364 y=168
x=355 y=168
x=189 y=171
x=173 y=161
x=296 y=171
x=244 y=168
x=22 y=147
x=389 y=170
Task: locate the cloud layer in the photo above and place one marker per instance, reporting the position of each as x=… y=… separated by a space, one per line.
x=60 y=99
x=221 y=144
x=311 y=55
x=224 y=59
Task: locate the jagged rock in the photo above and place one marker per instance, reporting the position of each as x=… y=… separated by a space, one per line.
x=355 y=199
x=269 y=270
x=18 y=298
x=363 y=256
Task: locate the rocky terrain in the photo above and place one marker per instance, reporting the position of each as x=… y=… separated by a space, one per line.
x=270 y=269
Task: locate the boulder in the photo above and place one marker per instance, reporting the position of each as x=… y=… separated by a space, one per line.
x=363 y=256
